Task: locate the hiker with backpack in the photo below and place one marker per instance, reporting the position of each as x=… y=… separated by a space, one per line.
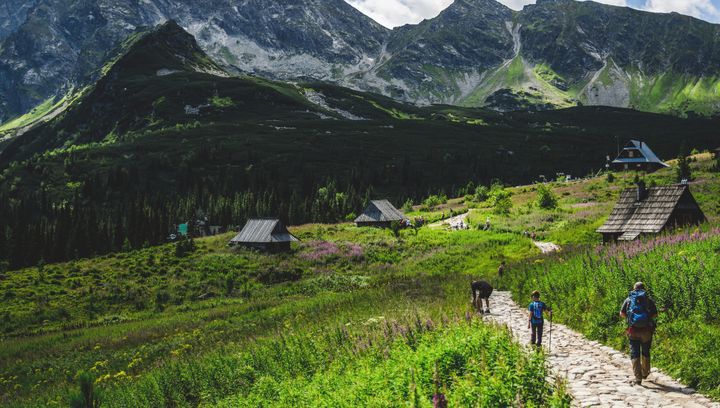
x=640 y=312
x=536 y=319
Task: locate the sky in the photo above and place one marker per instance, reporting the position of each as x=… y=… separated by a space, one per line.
x=393 y=13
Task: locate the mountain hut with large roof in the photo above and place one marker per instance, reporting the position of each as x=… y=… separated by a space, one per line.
x=637 y=155
x=641 y=211
x=379 y=213
x=266 y=234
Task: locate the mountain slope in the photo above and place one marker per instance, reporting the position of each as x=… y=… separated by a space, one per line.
x=556 y=53
x=440 y=60
x=607 y=55
x=166 y=132
x=61 y=43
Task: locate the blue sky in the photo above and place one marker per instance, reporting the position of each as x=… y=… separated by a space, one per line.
x=392 y=13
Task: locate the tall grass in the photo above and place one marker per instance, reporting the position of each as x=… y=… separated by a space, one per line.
x=587 y=289
x=380 y=363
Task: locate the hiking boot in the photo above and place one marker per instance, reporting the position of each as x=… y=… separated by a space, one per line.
x=487 y=310
x=645 y=365
x=637 y=370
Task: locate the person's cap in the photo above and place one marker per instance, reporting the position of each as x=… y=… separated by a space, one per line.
x=536 y=294
x=639 y=285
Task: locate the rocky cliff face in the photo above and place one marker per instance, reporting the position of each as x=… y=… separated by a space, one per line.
x=13 y=14
x=61 y=43
x=443 y=59
x=556 y=53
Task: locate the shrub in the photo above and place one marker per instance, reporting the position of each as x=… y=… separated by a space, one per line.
x=545 y=198
x=219 y=102
x=435 y=200
x=500 y=200
x=85 y=397
x=481 y=193
x=162 y=297
x=408 y=206
x=184 y=247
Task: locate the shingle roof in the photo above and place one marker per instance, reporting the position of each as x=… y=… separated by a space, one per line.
x=380 y=211
x=647 y=216
x=648 y=155
x=261 y=230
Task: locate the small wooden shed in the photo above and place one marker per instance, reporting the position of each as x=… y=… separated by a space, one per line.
x=266 y=234
x=652 y=210
x=379 y=213
x=637 y=155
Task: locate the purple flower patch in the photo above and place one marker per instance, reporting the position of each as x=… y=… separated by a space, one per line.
x=323 y=251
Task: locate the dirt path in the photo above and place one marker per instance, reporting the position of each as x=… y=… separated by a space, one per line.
x=546 y=247
x=597 y=375
x=452 y=221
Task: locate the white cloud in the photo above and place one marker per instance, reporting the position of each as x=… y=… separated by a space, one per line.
x=393 y=13
x=519 y=4
x=704 y=9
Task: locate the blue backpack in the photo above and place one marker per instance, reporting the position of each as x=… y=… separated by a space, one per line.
x=537 y=310
x=638 y=314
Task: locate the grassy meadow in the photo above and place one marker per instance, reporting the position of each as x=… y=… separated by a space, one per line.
x=352 y=316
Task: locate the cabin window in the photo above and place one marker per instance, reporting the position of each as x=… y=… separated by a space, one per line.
x=631 y=153
x=626 y=166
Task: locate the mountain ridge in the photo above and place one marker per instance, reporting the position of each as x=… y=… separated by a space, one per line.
x=150 y=141
x=552 y=54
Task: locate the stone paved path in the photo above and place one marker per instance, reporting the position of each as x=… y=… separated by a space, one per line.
x=598 y=376
x=452 y=221
x=547 y=247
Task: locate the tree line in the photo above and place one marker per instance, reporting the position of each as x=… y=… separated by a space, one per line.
x=35 y=229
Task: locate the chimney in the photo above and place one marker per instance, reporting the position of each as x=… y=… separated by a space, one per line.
x=641 y=191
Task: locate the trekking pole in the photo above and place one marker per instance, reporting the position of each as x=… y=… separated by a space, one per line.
x=550 y=339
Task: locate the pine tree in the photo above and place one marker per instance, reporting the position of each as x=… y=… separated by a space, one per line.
x=683 y=170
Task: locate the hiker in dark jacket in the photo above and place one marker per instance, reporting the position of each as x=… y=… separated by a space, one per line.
x=640 y=312
x=535 y=318
x=501 y=269
x=481 y=290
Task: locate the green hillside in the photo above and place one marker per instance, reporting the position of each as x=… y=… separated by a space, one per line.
x=175 y=325
x=150 y=144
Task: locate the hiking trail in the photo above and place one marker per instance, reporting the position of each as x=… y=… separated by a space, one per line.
x=597 y=375
x=452 y=221
x=547 y=247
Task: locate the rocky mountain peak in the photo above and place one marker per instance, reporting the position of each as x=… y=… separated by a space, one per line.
x=166 y=49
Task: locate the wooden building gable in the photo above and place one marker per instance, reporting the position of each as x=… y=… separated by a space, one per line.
x=637 y=155
x=261 y=231
x=380 y=212
x=649 y=211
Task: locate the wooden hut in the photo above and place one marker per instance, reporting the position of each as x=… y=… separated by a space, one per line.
x=379 y=213
x=266 y=234
x=652 y=210
x=637 y=155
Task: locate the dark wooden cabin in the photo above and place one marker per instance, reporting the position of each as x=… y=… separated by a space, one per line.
x=637 y=156
x=641 y=211
x=265 y=234
x=379 y=213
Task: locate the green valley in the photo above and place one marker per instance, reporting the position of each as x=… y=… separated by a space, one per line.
x=106 y=299
x=212 y=325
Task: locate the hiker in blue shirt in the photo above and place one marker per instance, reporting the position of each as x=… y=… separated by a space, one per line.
x=640 y=312
x=536 y=319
